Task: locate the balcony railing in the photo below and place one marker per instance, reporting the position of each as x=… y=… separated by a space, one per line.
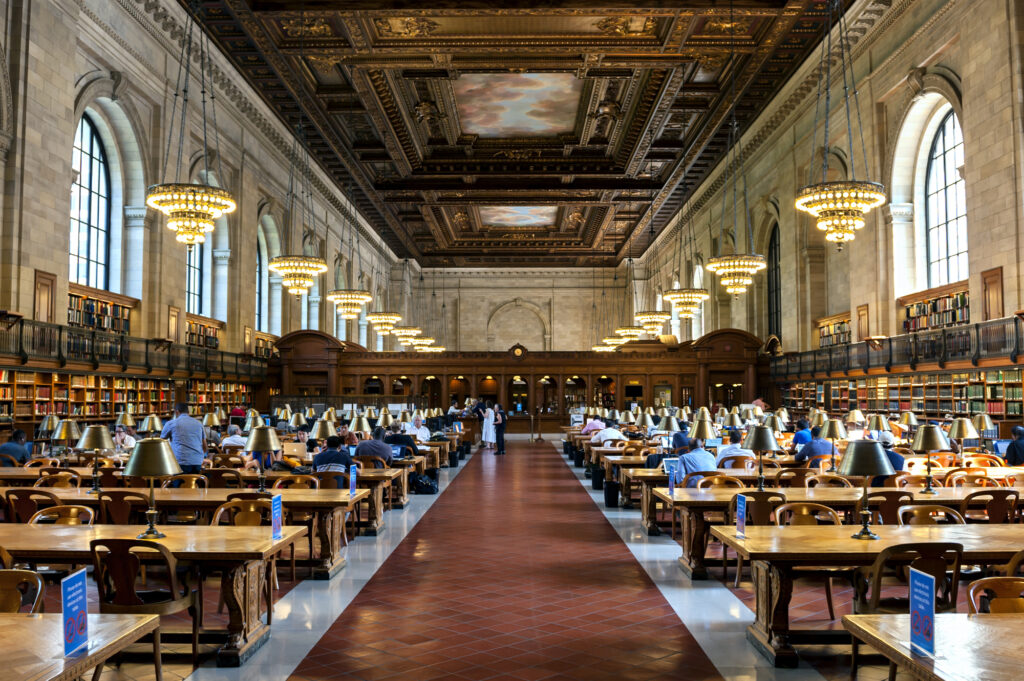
x=27 y=339
x=994 y=339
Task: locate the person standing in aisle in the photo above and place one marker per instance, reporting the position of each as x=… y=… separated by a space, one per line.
x=500 y=421
x=187 y=440
x=487 y=435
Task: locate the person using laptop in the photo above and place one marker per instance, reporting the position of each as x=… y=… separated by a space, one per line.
x=1015 y=450
x=696 y=460
x=397 y=437
x=418 y=430
x=733 y=448
x=334 y=458
x=375 y=446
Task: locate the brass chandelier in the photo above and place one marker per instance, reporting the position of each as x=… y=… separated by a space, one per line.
x=405 y=334
x=383 y=321
x=191 y=208
x=839 y=206
x=652 y=321
x=686 y=300
x=349 y=302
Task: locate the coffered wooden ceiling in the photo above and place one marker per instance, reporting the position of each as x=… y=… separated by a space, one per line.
x=505 y=133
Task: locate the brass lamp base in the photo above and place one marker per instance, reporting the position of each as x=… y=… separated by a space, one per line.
x=151 y=533
x=864 y=533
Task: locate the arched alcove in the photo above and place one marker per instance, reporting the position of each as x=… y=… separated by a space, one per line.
x=517 y=321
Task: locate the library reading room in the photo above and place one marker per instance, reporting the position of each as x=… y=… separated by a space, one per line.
x=511 y=340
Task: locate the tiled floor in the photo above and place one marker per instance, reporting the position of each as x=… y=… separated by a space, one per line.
x=513 y=574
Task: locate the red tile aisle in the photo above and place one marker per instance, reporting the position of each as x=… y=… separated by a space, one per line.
x=513 y=574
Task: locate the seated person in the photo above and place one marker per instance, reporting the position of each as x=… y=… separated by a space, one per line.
x=681 y=440
x=696 y=460
x=886 y=439
x=312 y=446
x=593 y=426
x=332 y=458
x=234 y=437
x=418 y=430
x=397 y=437
x=15 y=447
x=802 y=435
x=375 y=446
x=348 y=438
x=733 y=448
x=212 y=434
x=1014 y=450
x=261 y=460
x=818 y=446
x=123 y=439
x=605 y=434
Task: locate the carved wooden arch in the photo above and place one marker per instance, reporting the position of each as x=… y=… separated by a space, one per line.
x=307 y=338
x=519 y=302
x=747 y=340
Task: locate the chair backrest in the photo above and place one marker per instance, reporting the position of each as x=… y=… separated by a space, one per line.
x=737 y=461
x=247 y=512
x=23 y=502
x=941 y=560
x=1000 y=504
x=929 y=514
x=11 y=461
x=915 y=463
x=1010 y=569
x=793 y=477
x=297 y=482
x=699 y=474
x=58 y=477
x=224 y=478
x=187 y=481
x=983 y=461
x=826 y=480
x=370 y=461
x=42 y=463
x=911 y=481
x=885 y=505
x=956 y=477
x=116 y=505
x=65 y=514
x=760 y=506
x=996 y=595
x=804 y=513
x=116 y=566
x=109 y=477
x=231 y=450
x=332 y=479
x=16 y=586
x=766 y=464
x=720 y=481
x=227 y=461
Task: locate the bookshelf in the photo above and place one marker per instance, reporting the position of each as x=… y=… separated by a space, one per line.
x=92 y=308
x=204 y=395
x=263 y=347
x=936 y=308
x=203 y=331
x=834 y=330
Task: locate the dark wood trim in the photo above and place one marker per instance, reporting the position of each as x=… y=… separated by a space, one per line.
x=100 y=294
x=937 y=292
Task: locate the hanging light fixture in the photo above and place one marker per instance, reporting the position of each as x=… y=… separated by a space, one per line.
x=382 y=321
x=737 y=269
x=686 y=300
x=838 y=206
x=405 y=334
x=652 y=321
x=191 y=208
x=349 y=302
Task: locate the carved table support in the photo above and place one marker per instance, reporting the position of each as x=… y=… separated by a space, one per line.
x=696 y=533
x=243 y=586
x=329 y=527
x=770 y=633
x=649 y=509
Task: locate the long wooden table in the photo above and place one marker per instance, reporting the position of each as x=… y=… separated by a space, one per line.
x=970 y=647
x=694 y=503
x=240 y=553
x=328 y=507
x=32 y=646
x=773 y=553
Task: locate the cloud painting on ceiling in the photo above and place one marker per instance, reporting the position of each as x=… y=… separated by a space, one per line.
x=517 y=104
x=518 y=216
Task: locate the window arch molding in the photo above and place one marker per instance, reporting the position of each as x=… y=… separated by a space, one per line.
x=268 y=238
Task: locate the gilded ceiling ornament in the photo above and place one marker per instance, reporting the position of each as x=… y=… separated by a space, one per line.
x=723 y=25
x=408 y=27
x=427 y=111
x=461 y=219
x=574 y=218
x=607 y=110
x=517 y=154
x=621 y=26
x=324 y=63
x=300 y=28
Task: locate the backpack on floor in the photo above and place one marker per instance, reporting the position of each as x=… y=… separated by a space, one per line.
x=421 y=484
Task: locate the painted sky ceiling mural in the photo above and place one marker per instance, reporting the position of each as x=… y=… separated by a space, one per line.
x=517 y=104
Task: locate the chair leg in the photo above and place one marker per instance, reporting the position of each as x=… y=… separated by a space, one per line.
x=195 y=635
x=158 y=666
x=269 y=594
x=828 y=598
x=739 y=571
x=854 y=658
x=99 y=670
x=892 y=671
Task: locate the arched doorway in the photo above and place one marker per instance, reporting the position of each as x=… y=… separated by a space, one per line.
x=575 y=393
x=487 y=389
x=547 y=395
x=401 y=386
x=458 y=390
x=518 y=396
x=373 y=386
x=430 y=388
x=606 y=392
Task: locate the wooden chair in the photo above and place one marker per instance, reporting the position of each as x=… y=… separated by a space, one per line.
x=769 y=466
x=826 y=480
x=903 y=481
x=760 y=506
x=58 y=477
x=19 y=588
x=820 y=461
x=224 y=478
x=185 y=481
x=1010 y=569
x=42 y=463
x=720 y=481
x=698 y=474
x=737 y=461
x=983 y=461
x=117 y=564
x=1000 y=507
x=109 y=476
x=370 y=461
x=22 y=503
x=941 y=560
x=249 y=495
x=955 y=477
x=251 y=513
x=299 y=517
x=618 y=444
x=6 y=460
x=69 y=514
x=120 y=507
x=929 y=514
x=886 y=511
x=916 y=463
x=793 y=477
x=812 y=514
x=996 y=595
x=231 y=450
x=227 y=461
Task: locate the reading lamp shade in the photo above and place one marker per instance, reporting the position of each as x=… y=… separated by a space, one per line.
x=819 y=420
x=310 y=413
x=330 y=415
x=222 y=413
x=855 y=416
x=613 y=414
x=385 y=420
x=211 y=420
x=371 y=413
x=734 y=410
x=384 y=410
x=908 y=418
x=758 y=412
x=775 y=423
x=962 y=429
x=627 y=417
x=49 y=423
x=152 y=457
x=604 y=414
x=878 y=422
x=704 y=413
x=783 y=414
x=251 y=423
x=96 y=437
x=703 y=430
x=686 y=410
x=297 y=420
x=125 y=420
x=733 y=421
x=646 y=421
x=360 y=424
x=262 y=439
x=865 y=458
x=833 y=430
x=252 y=413
x=322 y=430
x=649 y=410
x=930 y=438
x=286 y=414
x=982 y=422
x=747 y=414
x=404 y=417
x=761 y=439
x=663 y=412
x=669 y=424
x=151 y=424
x=66 y=430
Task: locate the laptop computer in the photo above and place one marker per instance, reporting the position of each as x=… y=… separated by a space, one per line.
x=670 y=465
x=293 y=449
x=397 y=451
x=666 y=441
x=713 y=442
x=1000 y=447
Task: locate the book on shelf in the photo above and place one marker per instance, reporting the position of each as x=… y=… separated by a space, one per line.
x=947 y=310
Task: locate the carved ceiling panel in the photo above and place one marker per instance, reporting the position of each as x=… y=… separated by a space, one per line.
x=516 y=133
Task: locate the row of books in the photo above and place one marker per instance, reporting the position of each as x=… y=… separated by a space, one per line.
x=97 y=314
x=937 y=312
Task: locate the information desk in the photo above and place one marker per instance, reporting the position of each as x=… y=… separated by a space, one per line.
x=242 y=554
x=773 y=553
x=32 y=646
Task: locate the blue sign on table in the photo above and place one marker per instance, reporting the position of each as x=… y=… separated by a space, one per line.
x=73 y=605
x=672 y=483
x=276 y=516
x=922 y=613
x=741 y=516
x=352 y=479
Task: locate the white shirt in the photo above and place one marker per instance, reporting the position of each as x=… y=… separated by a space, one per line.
x=731 y=450
x=127 y=442
x=232 y=440
x=422 y=433
x=607 y=434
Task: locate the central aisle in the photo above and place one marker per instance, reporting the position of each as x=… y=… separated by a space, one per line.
x=513 y=574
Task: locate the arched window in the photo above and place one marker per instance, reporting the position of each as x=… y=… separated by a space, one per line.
x=774 y=280
x=697 y=326
x=259 y=286
x=194 y=279
x=946 y=206
x=89 y=249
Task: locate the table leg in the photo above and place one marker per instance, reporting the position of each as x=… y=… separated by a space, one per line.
x=400 y=488
x=696 y=533
x=243 y=585
x=625 y=491
x=329 y=527
x=609 y=474
x=649 y=510
x=773 y=588
x=375 y=511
